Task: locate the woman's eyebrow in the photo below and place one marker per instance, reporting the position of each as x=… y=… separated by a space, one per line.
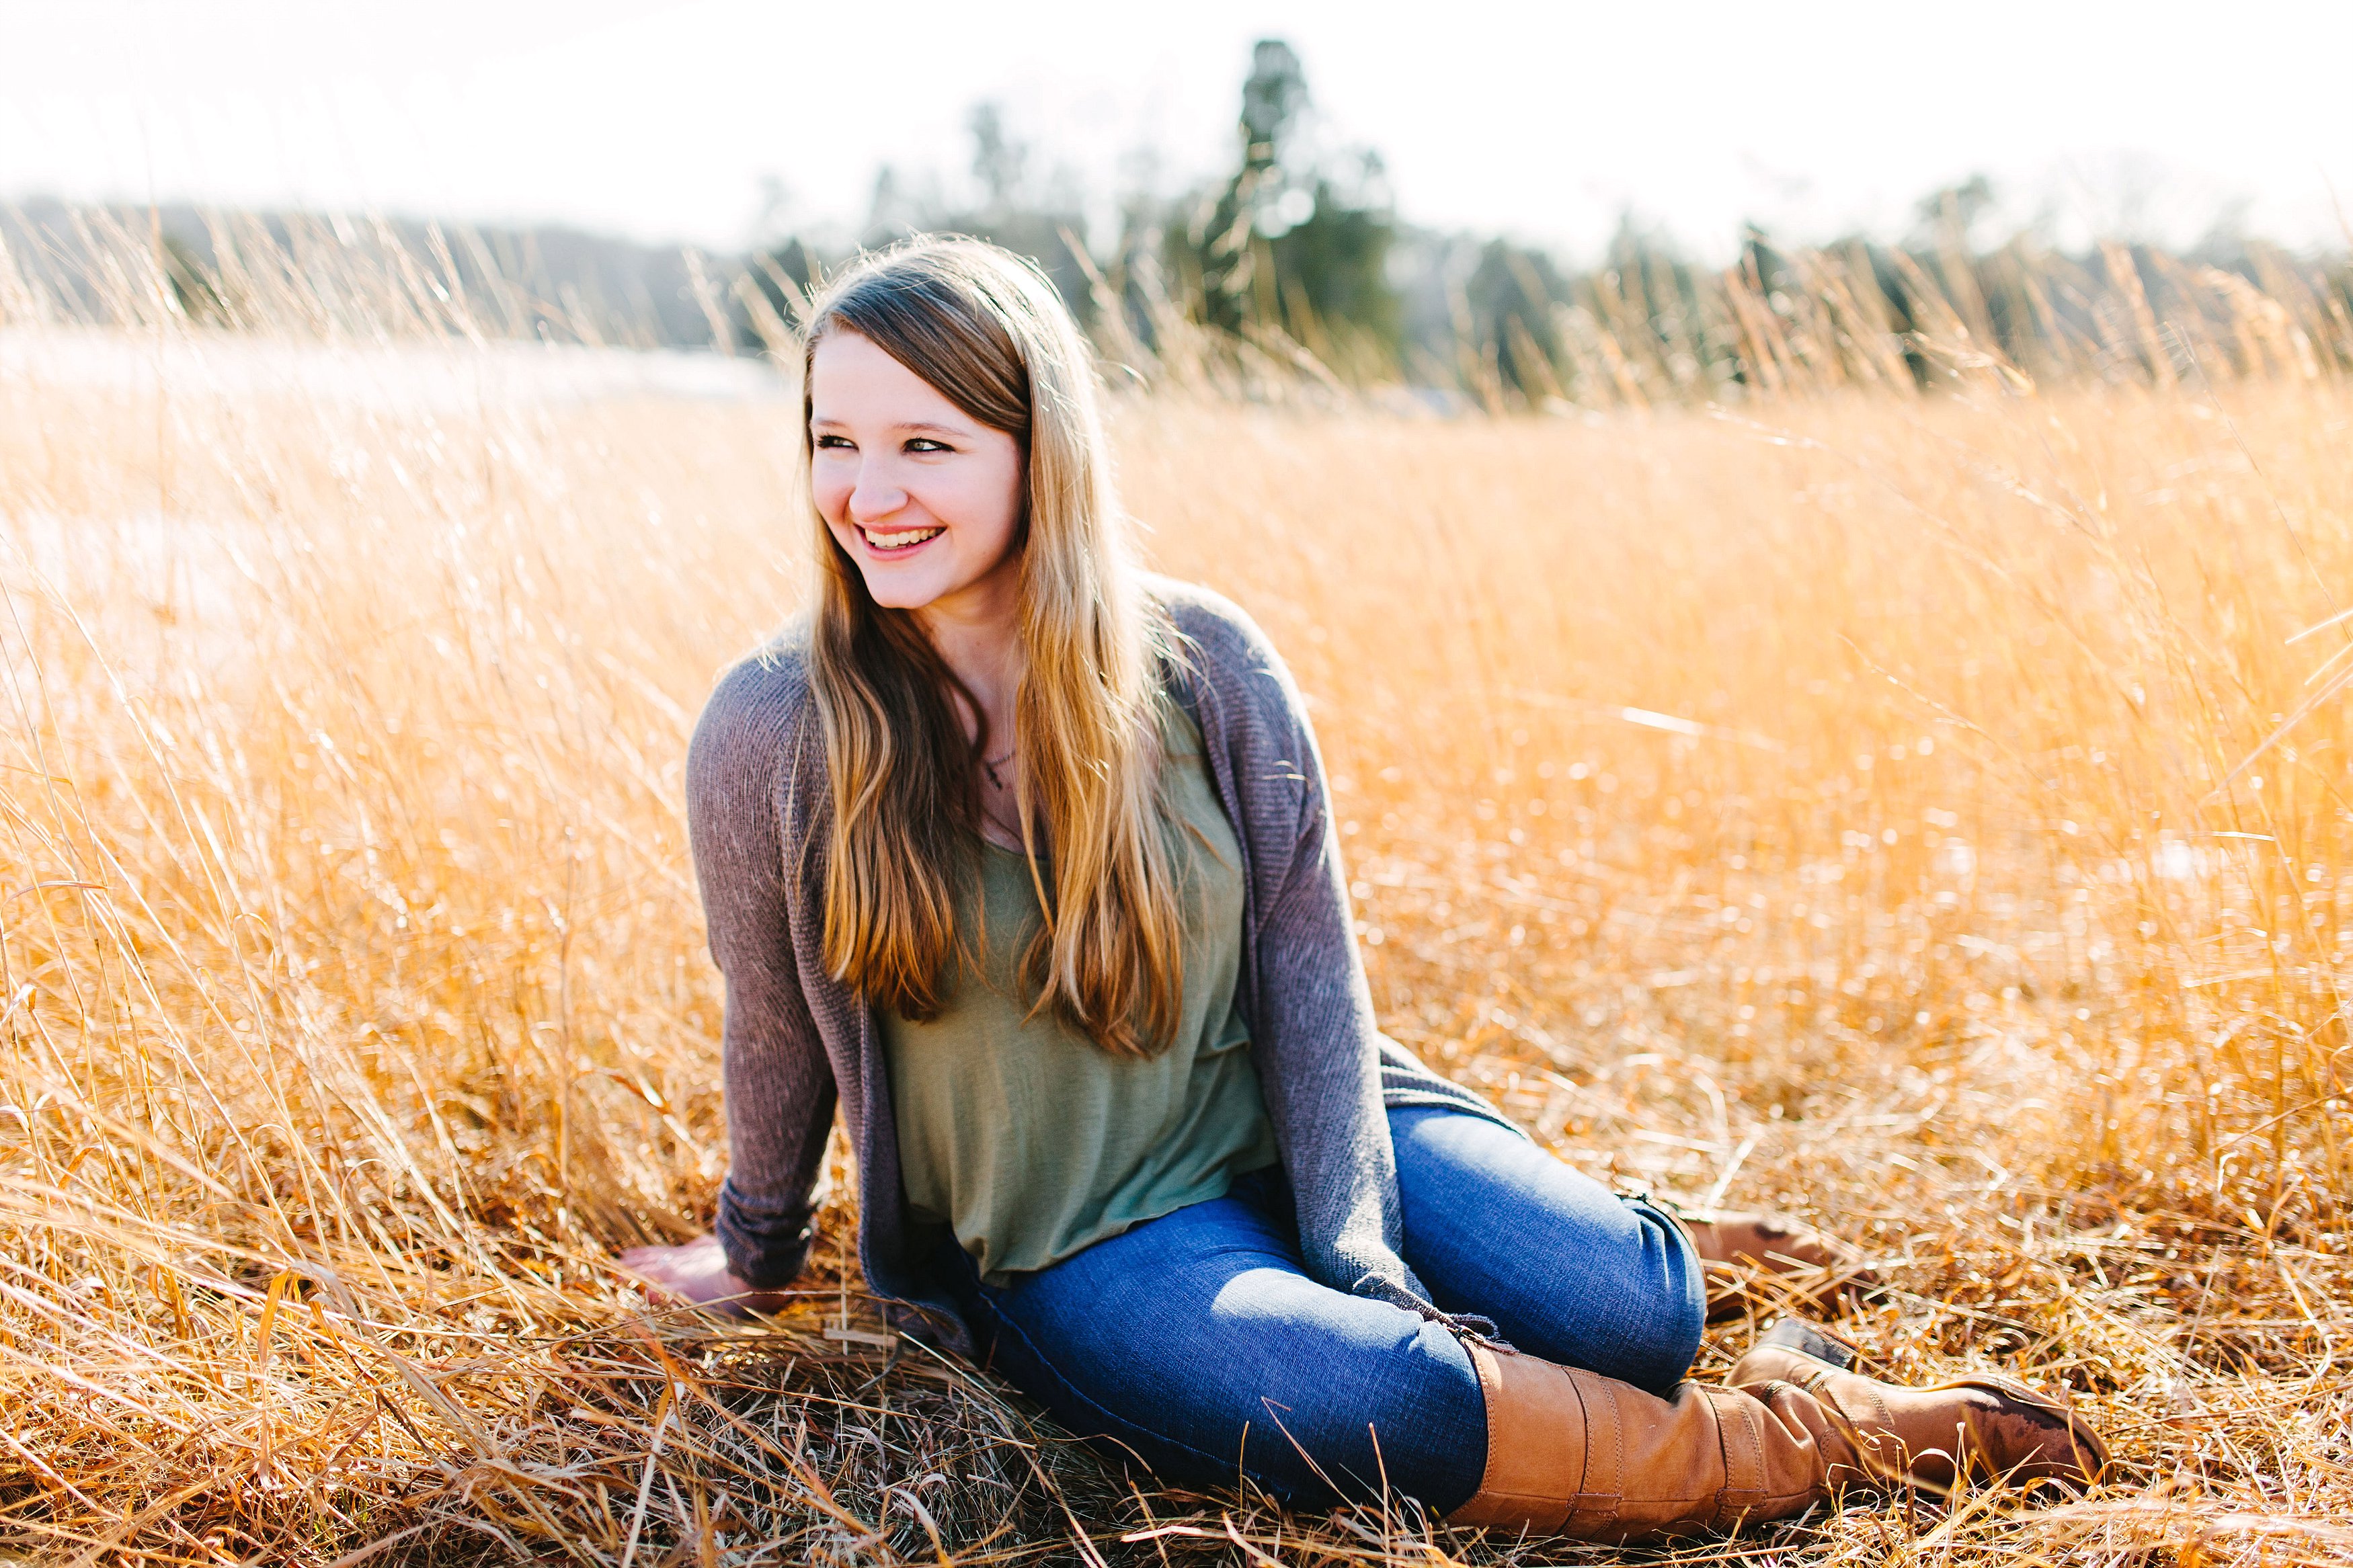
x=916 y=424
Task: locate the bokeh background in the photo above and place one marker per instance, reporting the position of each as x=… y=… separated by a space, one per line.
x=1818 y=542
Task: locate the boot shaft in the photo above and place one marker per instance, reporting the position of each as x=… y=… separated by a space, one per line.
x=1573 y=1453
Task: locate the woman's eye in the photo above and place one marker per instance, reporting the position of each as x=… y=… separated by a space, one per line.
x=925 y=444
x=834 y=442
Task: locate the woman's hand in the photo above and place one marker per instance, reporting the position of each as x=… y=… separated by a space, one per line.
x=698 y=1275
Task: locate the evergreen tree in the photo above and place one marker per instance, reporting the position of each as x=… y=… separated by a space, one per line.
x=1293 y=241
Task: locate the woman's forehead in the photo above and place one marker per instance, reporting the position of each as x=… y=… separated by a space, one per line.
x=854 y=379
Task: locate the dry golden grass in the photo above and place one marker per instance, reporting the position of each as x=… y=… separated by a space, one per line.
x=1827 y=803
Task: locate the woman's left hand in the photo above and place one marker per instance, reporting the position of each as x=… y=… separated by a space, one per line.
x=698 y=1275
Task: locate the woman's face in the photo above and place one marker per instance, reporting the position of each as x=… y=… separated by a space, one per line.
x=926 y=499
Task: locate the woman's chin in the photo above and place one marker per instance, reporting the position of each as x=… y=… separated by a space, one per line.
x=900 y=596
x=907 y=588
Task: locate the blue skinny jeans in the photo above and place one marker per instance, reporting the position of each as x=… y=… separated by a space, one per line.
x=1197 y=1342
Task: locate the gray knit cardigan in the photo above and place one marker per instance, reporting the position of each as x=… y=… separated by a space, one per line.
x=797 y=1042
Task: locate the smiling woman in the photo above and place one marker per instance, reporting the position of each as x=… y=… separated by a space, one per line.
x=993 y=602
x=1025 y=861
x=928 y=501
x=888 y=484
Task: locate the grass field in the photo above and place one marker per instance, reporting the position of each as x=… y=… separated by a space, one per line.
x=1829 y=802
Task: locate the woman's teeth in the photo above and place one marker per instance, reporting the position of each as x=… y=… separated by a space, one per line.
x=901 y=539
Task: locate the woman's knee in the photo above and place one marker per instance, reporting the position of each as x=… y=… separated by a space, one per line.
x=1661 y=1345
x=1498 y=1226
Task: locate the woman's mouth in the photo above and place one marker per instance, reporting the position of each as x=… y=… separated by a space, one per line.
x=897 y=541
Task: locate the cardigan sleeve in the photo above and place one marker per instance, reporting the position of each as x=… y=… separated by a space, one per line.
x=780 y=1089
x=1316 y=1012
x=1313 y=1034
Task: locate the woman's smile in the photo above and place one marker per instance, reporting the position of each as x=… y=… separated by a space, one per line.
x=896 y=543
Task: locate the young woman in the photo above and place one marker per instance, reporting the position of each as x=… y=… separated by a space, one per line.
x=1025 y=861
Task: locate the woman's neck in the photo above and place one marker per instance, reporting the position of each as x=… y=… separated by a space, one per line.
x=977 y=633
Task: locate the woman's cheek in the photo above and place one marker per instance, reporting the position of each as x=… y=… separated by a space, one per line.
x=832 y=497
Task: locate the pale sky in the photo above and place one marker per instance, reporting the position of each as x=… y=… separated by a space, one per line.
x=662 y=119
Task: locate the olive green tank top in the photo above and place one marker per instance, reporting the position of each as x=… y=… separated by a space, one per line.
x=1024 y=1139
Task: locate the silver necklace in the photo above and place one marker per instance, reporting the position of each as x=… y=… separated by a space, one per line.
x=988 y=766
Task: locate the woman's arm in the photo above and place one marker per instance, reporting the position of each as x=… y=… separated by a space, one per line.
x=780 y=1090
x=1313 y=1034
x=1315 y=1009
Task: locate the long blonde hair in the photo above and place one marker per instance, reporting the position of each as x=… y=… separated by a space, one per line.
x=990 y=333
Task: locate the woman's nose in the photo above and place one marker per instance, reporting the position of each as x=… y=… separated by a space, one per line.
x=875 y=496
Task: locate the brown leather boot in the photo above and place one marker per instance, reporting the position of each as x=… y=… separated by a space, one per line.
x=1989 y=1428
x=1805 y=1264
x=1573 y=1453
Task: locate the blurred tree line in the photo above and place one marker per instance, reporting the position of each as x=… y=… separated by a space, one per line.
x=1294 y=265
x=1291 y=255
x=1290 y=270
